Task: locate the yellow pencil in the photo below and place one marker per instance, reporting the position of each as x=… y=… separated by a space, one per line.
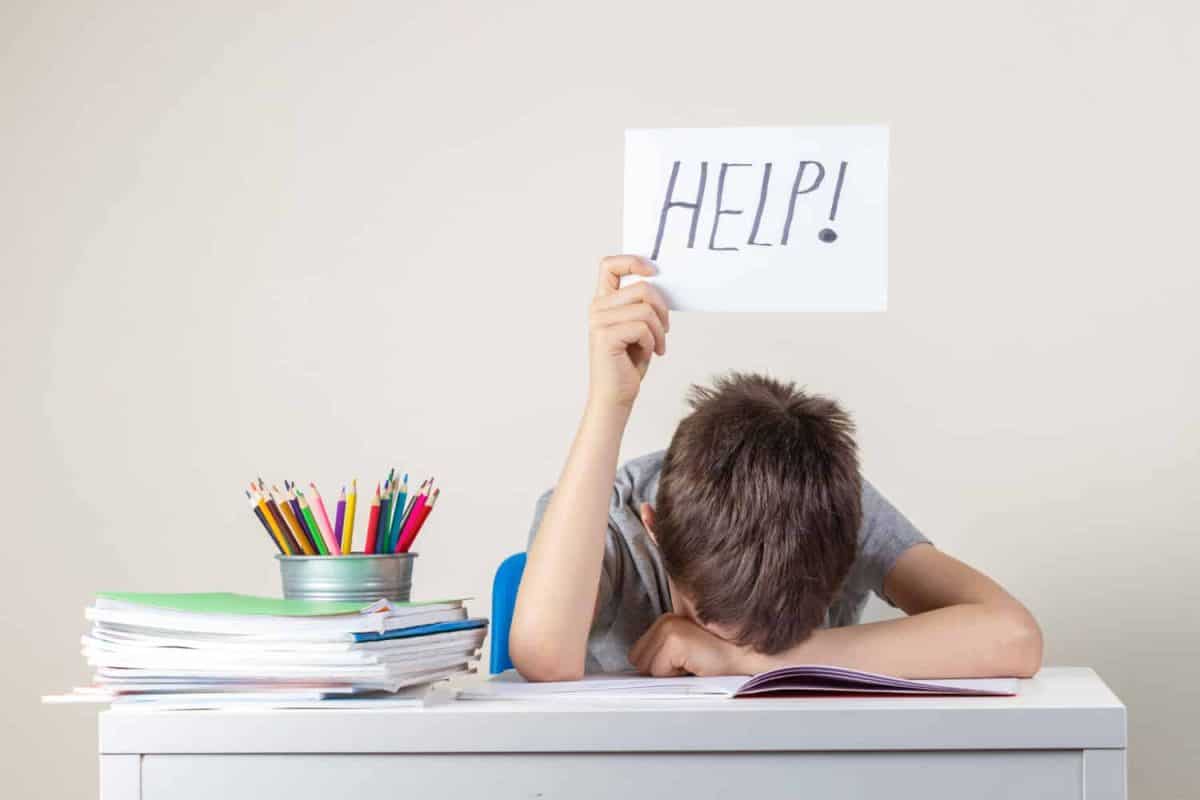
x=261 y=505
x=348 y=525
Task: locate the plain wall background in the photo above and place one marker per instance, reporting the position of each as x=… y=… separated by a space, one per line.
x=315 y=240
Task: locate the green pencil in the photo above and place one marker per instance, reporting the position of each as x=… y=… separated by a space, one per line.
x=311 y=521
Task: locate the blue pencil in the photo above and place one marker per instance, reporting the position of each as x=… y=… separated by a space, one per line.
x=397 y=515
x=384 y=501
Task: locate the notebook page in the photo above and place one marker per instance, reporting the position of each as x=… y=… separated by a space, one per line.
x=509 y=685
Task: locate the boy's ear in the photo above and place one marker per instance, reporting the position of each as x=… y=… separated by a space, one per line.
x=648 y=519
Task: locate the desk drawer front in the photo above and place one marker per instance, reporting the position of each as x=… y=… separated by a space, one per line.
x=895 y=775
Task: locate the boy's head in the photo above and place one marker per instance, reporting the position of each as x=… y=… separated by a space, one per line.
x=758 y=509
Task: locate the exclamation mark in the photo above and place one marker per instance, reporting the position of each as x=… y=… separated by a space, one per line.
x=828 y=235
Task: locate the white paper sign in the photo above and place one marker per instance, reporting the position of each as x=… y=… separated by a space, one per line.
x=761 y=219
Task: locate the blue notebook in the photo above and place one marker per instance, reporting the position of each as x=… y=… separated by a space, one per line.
x=421 y=630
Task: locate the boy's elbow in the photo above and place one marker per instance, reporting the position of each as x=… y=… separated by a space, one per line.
x=1022 y=645
x=537 y=661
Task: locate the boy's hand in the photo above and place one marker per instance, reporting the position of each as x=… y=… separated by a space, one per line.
x=627 y=325
x=675 y=645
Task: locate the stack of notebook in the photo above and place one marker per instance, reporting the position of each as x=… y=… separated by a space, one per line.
x=214 y=650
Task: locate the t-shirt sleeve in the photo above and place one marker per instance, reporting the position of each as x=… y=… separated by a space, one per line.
x=886 y=534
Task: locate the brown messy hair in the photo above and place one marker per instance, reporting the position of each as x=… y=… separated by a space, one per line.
x=758 y=508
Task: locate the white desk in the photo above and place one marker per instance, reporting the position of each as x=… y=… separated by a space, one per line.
x=1063 y=737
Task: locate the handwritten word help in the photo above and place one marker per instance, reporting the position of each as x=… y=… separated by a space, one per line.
x=809 y=176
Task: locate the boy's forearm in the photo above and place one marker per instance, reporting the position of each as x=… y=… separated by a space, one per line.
x=557 y=598
x=973 y=640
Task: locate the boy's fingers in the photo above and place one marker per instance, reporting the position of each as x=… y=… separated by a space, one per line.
x=637 y=313
x=644 y=645
x=645 y=661
x=613 y=268
x=640 y=292
x=628 y=333
x=663 y=665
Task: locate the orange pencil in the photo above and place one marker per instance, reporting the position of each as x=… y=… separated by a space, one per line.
x=298 y=534
x=260 y=506
x=292 y=546
x=258 y=513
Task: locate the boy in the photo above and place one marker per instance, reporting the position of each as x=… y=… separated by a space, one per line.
x=750 y=544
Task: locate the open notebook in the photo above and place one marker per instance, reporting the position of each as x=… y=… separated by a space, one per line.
x=803 y=679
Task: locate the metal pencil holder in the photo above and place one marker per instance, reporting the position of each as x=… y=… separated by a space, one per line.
x=358 y=577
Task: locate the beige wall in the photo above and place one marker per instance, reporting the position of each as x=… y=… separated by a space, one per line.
x=314 y=241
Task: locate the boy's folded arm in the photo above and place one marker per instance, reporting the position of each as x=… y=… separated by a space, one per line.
x=559 y=588
x=962 y=624
x=557 y=599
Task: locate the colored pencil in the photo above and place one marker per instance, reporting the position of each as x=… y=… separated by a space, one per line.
x=318 y=506
x=309 y=533
x=340 y=520
x=266 y=512
x=311 y=521
x=410 y=519
x=254 y=506
x=426 y=485
x=385 y=500
x=406 y=544
x=398 y=505
x=372 y=523
x=292 y=545
x=297 y=529
x=348 y=533
x=289 y=548
x=385 y=520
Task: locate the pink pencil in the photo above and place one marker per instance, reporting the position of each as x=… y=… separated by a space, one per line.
x=323 y=522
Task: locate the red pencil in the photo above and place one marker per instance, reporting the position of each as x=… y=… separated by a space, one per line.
x=372 y=523
x=425 y=511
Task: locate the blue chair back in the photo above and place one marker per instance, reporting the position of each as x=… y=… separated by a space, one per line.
x=504 y=600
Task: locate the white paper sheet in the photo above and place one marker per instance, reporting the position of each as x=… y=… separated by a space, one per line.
x=789 y=219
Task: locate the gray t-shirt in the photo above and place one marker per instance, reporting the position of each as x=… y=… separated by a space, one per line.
x=633 y=583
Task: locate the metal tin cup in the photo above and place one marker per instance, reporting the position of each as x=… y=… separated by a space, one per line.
x=358 y=577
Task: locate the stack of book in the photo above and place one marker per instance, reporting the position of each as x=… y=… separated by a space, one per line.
x=215 y=650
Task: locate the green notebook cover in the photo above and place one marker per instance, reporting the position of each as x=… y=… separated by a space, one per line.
x=251 y=605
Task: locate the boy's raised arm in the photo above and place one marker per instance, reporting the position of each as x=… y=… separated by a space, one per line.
x=557 y=599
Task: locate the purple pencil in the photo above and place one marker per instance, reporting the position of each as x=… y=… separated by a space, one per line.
x=295 y=504
x=340 y=515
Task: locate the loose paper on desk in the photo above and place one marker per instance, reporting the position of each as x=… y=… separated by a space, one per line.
x=761 y=219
